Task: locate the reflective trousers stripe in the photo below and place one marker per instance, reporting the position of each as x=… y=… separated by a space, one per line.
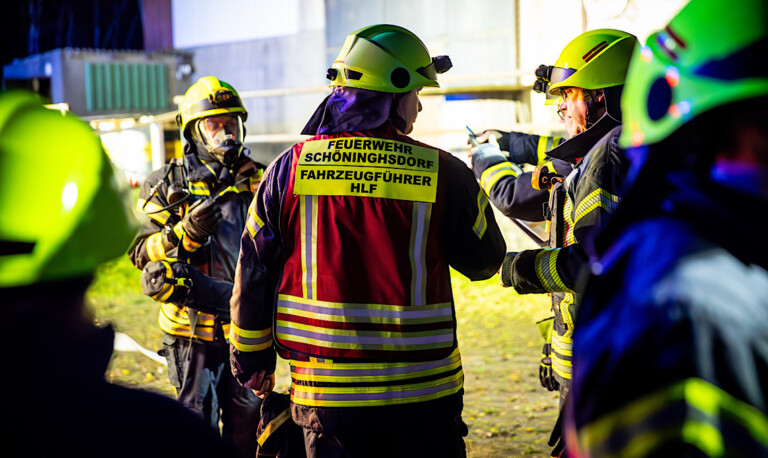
x=328 y=384
x=175 y=320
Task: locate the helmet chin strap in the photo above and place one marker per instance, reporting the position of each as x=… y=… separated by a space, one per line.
x=592 y=110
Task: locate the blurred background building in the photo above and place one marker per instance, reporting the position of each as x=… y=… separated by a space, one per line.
x=123 y=65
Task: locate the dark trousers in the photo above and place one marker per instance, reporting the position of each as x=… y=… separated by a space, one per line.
x=428 y=429
x=204 y=383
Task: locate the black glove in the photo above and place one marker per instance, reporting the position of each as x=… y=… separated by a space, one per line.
x=505 y=272
x=556 y=439
x=519 y=270
x=185 y=286
x=546 y=375
x=202 y=219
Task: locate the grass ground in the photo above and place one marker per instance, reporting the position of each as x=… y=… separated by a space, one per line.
x=507 y=411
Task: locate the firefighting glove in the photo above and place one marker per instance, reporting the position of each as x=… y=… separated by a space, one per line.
x=517 y=144
x=165 y=281
x=202 y=219
x=556 y=439
x=546 y=374
x=183 y=285
x=519 y=271
x=277 y=434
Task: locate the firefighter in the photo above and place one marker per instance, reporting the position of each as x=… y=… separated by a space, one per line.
x=588 y=77
x=671 y=343
x=188 y=249
x=62 y=214
x=344 y=267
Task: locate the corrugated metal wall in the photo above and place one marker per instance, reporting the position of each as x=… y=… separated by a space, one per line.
x=126 y=86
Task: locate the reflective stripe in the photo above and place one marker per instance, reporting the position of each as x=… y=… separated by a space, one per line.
x=546 y=270
x=199 y=188
x=544 y=145
x=691 y=411
x=568 y=237
x=247 y=341
x=599 y=198
x=308 y=218
x=481 y=224
x=370 y=384
x=189 y=244
x=492 y=174
x=150 y=207
x=352 y=329
x=421 y=215
x=565 y=315
x=155 y=247
x=274 y=425
x=175 y=321
x=252 y=222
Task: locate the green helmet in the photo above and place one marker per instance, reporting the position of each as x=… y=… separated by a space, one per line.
x=709 y=55
x=209 y=96
x=386 y=58
x=594 y=60
x=62 y=211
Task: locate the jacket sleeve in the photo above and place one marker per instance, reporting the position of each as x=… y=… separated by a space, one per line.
x=508 y=187
x=473 y=241
x=162 y=235
x=595 y=197
x=256 y=276
x=531 y=149
x=155 y=238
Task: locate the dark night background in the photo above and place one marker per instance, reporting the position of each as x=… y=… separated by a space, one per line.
x=36 y=26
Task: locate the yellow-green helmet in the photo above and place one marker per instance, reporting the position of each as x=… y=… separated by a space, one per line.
x=386 y=58
x=209 y=96
x=709 y=55
x=594 y=60
x=62 y=209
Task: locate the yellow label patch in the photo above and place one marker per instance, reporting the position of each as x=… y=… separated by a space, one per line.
x=365 y=166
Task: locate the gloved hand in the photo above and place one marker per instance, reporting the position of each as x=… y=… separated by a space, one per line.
x=505 y=276
x=546 y=375
x=501 y=137
x=517 y=145
x=202 y=219
x=556 y=439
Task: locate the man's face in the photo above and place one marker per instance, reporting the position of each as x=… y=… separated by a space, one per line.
x=219 y=128
x=574 y=109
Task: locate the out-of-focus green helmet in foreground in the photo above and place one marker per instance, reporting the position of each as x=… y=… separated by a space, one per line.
x=386 y=58
x=594 y=60
x=671 y=81
x=62 y=209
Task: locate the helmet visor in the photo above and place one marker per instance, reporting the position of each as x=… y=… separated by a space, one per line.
x=559 y=75
x=217 y=130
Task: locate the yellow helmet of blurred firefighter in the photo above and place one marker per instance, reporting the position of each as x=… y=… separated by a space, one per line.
x=386 y=58
x=63 y=210
x=212 y=116
x=686 y=70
